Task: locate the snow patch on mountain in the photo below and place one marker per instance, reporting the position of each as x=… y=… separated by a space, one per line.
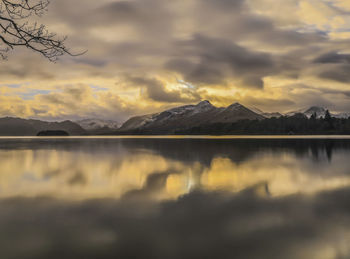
x=320 y=112
x=189 y=116
x=94 y=124
x=344 y=115
x=266 y=114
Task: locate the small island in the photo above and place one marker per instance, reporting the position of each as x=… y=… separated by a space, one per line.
x=53 y=133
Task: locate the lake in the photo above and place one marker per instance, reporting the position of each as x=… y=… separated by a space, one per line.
x=175 y=197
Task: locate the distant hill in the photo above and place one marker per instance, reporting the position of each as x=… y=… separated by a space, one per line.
x=319 y=111
x=344 y=115
x=266 y=114
x=98 y=126
x=204 y=118
x=184 y=117
x=10 y=126
x=201 y=118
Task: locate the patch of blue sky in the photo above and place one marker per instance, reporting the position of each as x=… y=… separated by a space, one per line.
x=11 y=85
x=98 y=88
x=14 y=85
x=314 y=29
x=32 y=93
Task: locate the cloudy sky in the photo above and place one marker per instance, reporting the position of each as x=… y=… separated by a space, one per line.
x=147 y=55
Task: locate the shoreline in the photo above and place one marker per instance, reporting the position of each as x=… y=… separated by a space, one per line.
x=184 y=137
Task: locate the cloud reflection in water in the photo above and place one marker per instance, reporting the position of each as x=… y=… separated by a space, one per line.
x=166 y=169
x=174 y=199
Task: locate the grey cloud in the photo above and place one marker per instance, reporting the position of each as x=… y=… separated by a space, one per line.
x=269 y=103
x=225 y=5
x=78 y=179
x=129 y=11
x=310 y=96
x=222 y=59
x=70 y=96
x=333 y=57
x=28 y=67
x=338 y=73
x=197 y=72
x=238 y=22
x=147 y=16
x=52 y=98
x=226 y=23
x=282 y=38
x=233 y=21
x=253 y=81
x=327 y=91
x=156 y=91
x=239 y=58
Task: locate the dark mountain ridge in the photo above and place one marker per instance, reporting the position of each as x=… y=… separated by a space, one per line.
x=10 y=126
x=188 y=116
x=236 y=119
x=202 y=118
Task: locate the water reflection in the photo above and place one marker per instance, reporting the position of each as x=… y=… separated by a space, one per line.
x=163 y=198
x=166 y=169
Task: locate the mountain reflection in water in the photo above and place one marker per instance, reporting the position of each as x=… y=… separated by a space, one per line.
x=174 y=198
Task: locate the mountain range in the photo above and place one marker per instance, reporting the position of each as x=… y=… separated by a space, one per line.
x=187 y=117
x=98 y=126
x=204 y=113
x=319 y=111
x=166 y=122
x=21 y=127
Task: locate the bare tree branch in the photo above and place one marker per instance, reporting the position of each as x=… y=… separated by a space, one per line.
x=15 y=31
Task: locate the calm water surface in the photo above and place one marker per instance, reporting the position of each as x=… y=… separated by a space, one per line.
x=174 y=198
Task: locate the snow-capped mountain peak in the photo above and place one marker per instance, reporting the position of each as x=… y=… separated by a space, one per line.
x=204 y=103
x=320 y=111
x=188 y=116
x=203 y=106
x=316 y=109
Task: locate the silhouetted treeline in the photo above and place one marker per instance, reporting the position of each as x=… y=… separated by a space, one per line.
x=298 y=124
x=53 y=133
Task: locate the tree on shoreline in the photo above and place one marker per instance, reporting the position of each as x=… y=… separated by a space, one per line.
x=298 y=124
x=17 y=31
